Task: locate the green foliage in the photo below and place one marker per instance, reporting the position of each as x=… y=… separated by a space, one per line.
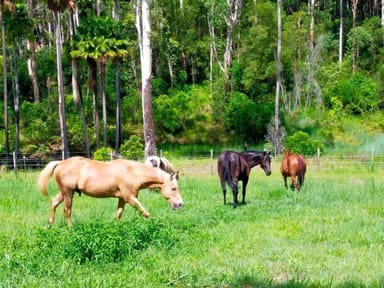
x=103 y=154
x=100 y=242
x=357 y=93
x=133 y=148
x=301 y=142
x=247 y=119
x=183 y=114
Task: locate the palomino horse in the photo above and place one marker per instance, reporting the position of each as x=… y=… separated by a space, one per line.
x=293 y=165
x=160 y=162
x=233 y=167
x=118 y=178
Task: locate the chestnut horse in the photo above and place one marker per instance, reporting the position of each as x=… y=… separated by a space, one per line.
x=233 y=167
x=118 y=178
x=293 y=165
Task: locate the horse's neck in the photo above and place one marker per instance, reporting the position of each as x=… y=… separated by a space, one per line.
x=154 y=179
x=252 y=161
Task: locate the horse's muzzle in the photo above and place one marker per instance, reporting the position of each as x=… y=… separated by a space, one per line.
x=176 y=206
x=268 y=172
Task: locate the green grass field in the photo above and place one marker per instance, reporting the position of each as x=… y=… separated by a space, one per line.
x=331 y=234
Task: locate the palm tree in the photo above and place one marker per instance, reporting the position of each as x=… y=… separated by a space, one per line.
x=100 y=48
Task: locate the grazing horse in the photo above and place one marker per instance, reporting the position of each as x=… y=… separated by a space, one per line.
x=118 y=178
x=233 y=167
x=160 y=162
x=293 y=165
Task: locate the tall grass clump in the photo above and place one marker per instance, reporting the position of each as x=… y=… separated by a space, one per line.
x=104 y=242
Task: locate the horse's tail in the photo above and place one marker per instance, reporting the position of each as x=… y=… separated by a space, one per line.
x=45 y=175
x=301 y=172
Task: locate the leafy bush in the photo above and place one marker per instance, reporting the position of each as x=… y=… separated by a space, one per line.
x=301 y=142
x=103 y=154
x=133 y=148
x=246 y=118
x=357 y=94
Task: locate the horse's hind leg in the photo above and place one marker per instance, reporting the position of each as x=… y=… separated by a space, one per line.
x=54 y=203
x=285 y=181
x=224 y=188
x=294 y=182
x=120 y=208
x=235 y=191
x=68 y=207
x=245 y=182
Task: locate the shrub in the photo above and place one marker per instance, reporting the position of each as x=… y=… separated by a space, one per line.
x=301 y=142
x=103 y=154
x=133 y=148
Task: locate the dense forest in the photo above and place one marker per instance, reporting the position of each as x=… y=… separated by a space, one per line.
x=222 y=72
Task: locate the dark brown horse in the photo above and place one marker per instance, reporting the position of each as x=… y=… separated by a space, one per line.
x=293 y=165
x=121 y=179
x=233 y=167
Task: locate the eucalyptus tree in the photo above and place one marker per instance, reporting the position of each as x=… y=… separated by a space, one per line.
x=5 y=87
x=58 y=6
x=32 y=59
x=143 y=26
x=17 y=30
x=278 y=81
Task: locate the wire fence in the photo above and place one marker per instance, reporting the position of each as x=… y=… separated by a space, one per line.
x=15 y=162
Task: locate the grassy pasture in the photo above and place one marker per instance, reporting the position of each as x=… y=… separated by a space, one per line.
x=329 y=235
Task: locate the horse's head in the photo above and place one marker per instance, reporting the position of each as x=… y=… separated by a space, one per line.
x=265 y=162
x=170 y=191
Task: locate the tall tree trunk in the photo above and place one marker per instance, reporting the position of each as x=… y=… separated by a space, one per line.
x=5 y=87
x=354 y=49
x=276 y=142
x=232 y=18
x=118 y=135
x=341 y=34
x=32 y=59
x=75 y=73
x=60 y=86
x=103 y=100
x=16 y=97
x=92 y=85
x=143 y=25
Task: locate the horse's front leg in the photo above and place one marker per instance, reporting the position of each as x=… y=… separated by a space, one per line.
x=245 y=182
x=54 y=203
x=134 y=202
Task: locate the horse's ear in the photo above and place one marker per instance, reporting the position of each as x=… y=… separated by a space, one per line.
x=175 y=174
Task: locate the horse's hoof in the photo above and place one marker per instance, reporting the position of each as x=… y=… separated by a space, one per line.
x=147 y=215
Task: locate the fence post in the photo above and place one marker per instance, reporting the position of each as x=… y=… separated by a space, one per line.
x=372 y=158
x=211 y=161
x=318 y=159
x=14 y=162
